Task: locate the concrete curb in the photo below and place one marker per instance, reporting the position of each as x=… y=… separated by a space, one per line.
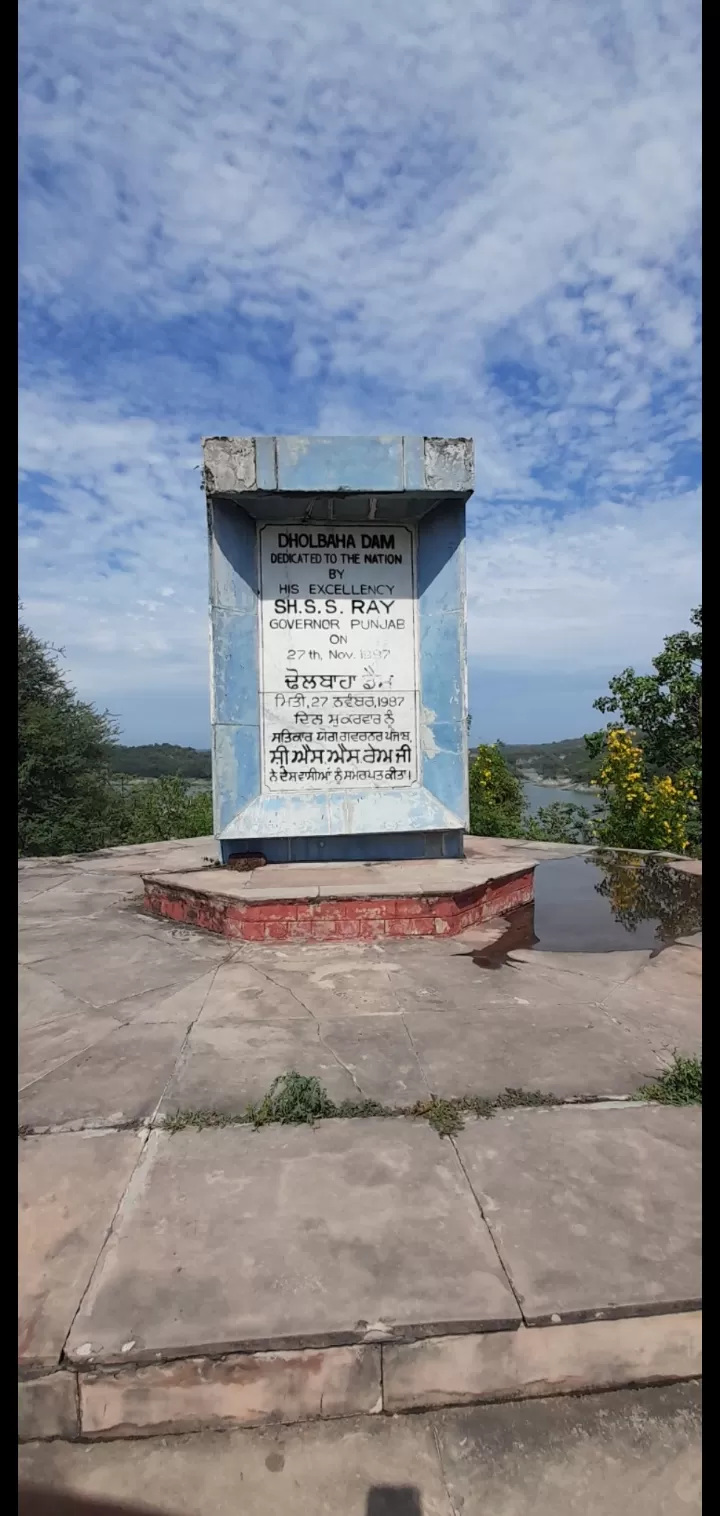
x=254 y=1389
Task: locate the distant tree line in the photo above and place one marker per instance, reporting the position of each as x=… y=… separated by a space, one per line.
x=568 y=761
x=156 y=759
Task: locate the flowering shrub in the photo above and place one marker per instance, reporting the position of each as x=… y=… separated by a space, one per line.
x=496 y=796
x=637 y=811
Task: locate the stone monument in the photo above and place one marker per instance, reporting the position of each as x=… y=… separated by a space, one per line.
x=338 y=651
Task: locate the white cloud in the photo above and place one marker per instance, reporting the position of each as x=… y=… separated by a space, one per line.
x=603 y=585
x=545 y=591
x=472 y=216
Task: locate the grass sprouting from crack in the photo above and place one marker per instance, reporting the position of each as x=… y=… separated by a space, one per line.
x=300 y=1099
x=679 y=1084
x=179 y=1121
x=447 y=1116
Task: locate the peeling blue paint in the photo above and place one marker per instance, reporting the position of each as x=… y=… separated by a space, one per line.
x=413 y=463
x=233 y=558
x=340 y=463
x=234 y=660
x=236 y=771
x=266 y=470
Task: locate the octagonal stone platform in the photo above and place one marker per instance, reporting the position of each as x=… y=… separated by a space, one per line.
x=327 y=901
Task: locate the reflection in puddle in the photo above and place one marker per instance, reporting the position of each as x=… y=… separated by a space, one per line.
x=601 y=903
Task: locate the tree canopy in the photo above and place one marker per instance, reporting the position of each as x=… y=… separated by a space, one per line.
x=69 y=798
x=65 y=800
x=664 y=708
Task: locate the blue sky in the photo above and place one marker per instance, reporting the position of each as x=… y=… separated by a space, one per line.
x=459 y=217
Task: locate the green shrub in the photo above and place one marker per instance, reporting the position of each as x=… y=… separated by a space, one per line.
x=496 y=796
x=162 y=810
x=560 y=822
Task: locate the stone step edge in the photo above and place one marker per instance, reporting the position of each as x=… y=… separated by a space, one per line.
x=426 y=913
x=255 y=1389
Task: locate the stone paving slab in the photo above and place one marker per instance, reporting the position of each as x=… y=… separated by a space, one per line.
x=357 y=1467
x=599 y=1455
x=48 y=1044
x=122 y=967
x=604 y=969
x=349 y=1232
x=594 y=1212
x=117 y=1080
x=386 y=978
x=333 y=980
x=74 y=890
x=579 y=1356
x=569 y=1050
x=227 y=1068
x=380 y=1054
x=59 y=936
x=42 y=1002
x=35 y=884
x=132 y=858
x=535 y=1022
x=240 y=991
x=663 y=1001
x=69 y=1189
x=166 y=1004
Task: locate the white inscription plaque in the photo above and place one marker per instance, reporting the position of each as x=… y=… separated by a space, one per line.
x=338 y=680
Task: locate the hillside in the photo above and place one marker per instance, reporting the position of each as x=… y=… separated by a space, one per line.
x=567 y=761
x=158 y=758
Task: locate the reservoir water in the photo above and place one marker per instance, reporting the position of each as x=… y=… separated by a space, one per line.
x=540 y=795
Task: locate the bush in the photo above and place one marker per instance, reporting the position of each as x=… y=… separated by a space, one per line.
x=496 y=796
x=162 y=810
x=638 y=811
x=665 y=710
x=560 y=822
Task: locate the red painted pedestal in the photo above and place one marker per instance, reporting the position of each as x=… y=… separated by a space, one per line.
x=207 y=902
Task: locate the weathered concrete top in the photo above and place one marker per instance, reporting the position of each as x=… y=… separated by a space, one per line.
x=415 y=472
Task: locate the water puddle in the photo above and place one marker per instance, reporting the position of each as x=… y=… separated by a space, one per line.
x=601 y=903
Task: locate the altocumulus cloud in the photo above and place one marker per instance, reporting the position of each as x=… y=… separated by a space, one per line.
x=461 y=216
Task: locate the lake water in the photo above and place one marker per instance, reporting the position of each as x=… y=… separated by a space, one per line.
x=539 y=795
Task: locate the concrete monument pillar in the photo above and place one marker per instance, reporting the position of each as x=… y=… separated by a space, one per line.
x=338 y=651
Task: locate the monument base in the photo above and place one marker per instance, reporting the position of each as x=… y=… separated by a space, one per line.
x=372 y=847
x=330 y=901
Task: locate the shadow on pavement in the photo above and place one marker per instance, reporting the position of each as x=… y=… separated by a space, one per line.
x=382 y=1500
